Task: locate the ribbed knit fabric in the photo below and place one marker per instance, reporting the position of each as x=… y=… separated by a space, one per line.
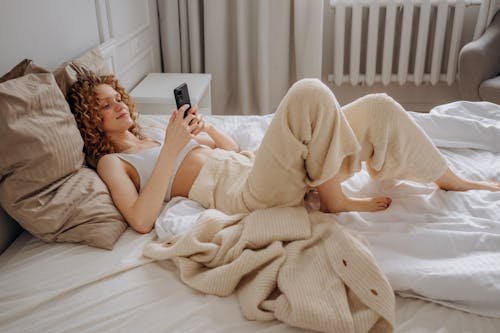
x=311 y=139
x=392 y=144
x=304 y=146
x=302 y=269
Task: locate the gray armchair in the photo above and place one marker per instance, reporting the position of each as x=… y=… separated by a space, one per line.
x=479 y=66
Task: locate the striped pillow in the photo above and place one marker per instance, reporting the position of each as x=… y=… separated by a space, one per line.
x=91 y=60
x=43 y=182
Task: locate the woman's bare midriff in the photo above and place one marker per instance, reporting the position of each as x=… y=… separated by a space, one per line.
x=189 y=170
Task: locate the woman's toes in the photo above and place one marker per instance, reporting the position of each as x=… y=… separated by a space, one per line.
x=383 y=202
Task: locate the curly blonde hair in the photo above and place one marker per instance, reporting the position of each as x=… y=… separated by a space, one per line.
x=83 y=101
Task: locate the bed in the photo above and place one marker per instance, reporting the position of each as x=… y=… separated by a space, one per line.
x=440 y=251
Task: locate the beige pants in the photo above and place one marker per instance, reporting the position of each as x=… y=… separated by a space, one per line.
x=310 y=140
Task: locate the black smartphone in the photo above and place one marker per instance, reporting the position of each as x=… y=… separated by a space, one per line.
x=181 y=94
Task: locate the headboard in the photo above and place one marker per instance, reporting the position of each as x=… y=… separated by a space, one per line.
x=9 y=230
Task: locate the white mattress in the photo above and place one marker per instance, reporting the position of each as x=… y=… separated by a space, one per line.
x=76 y=288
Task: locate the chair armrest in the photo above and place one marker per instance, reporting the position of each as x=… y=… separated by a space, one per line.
x=479 y=60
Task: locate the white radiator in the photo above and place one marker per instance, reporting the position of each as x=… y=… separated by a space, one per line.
x=411 y=39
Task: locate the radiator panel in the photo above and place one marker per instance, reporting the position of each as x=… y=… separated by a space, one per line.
x=399 y=41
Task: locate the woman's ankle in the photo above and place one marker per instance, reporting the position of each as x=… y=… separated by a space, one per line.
x=369 y=204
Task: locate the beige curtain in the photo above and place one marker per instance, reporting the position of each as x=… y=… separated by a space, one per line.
x=254 y=49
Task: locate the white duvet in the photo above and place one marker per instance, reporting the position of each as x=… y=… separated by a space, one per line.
x=435 y=245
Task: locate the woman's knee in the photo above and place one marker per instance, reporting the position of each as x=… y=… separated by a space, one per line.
x=312 y=92
x=382 y=105
x=311 y=86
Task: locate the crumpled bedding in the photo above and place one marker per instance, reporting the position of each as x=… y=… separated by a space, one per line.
x=435 y=245
x=287 y=264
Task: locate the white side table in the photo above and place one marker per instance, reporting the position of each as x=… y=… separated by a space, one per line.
x=155 y=93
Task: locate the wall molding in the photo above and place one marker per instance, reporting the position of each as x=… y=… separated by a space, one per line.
x=139 y=30
x=132 y=78
x=102 y=20
x=131 y=54
x=108 y=51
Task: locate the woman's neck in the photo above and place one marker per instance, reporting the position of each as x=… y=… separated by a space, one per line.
x=123 y=141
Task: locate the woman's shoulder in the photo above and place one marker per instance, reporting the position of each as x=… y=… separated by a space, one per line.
x=109 y=162
x=113 y=169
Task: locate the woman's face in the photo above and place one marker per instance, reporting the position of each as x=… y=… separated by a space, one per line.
x=114 y=112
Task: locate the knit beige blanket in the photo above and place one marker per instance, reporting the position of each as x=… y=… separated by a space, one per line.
x=287 y=264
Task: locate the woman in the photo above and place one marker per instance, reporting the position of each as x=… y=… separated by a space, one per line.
x=310 y=143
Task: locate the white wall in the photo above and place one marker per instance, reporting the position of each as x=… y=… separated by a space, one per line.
x=49 y=31
x=53 y=31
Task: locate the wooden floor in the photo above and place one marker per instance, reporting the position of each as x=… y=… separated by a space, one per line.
x=413 y=98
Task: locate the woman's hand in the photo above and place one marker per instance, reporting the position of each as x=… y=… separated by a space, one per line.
x=199 y=121
x=216 y=138
x=180 y=130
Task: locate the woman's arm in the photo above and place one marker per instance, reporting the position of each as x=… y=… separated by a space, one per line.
x=221 y=139
x=141 y=210
x=218 y=139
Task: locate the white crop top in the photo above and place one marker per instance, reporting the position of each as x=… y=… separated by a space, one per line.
x=145 y=161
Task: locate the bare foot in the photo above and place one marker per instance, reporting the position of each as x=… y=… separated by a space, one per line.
x=347 y=204
x=450 y=181
x=467 y=185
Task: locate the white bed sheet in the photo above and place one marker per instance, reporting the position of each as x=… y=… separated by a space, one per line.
x=76 y=288
x=439 y=245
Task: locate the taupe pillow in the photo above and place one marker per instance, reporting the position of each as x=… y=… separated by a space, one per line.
x=91 y=60
x=24 y=67
x=43 y=183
